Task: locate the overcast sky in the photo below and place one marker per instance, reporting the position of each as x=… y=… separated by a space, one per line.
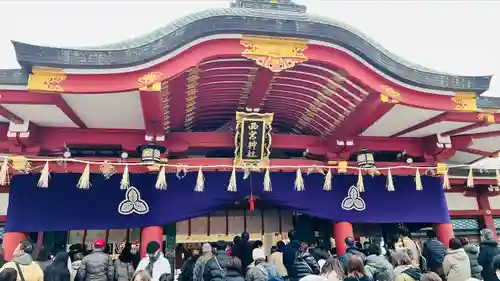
x=458 y=37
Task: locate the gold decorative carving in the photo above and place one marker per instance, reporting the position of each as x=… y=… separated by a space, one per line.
x=20 y=163
x=275 y=54
x=150 y=82
x=47 y=80
x=166 y=107
x=192 y=89
x=389 y=95
x=486 y=117
x=465 y=101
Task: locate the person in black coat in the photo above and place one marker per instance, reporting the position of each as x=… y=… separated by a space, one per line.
x=234 y=270
x=58 y=270
x=298 y=263
x=487 y=251
x=188 y=267
x=216 y=267
x=434 y=252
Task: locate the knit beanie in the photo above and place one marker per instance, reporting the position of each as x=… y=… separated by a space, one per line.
x=258 y=254
x=206 y=248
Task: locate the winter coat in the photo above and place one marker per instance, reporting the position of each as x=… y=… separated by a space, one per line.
x=261 y=272
x=161 y=266
x=243 y=251
x=276 y=259
x=74 y=269
x=298 y=264
x=44 y=264
x=375 y=264
x=350 y=251
x=434 y=252
x=124 y=271
x=456 y=265
x=188 y=269
x=31 y=271
x=405 y=243
x=216 y=267
x=353 y=277
x=407 y=273
x=487 y=251
x=234 y=272
x=96 y=266
x=199 y=266
x=473 y=252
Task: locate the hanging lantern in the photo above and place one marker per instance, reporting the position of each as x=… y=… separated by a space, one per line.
x=365 y=159
x=150 y=153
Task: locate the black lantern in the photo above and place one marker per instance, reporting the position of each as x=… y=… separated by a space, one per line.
x=150 y=153
x=365 y=159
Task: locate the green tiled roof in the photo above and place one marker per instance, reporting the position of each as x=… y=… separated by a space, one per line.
x=465 y=224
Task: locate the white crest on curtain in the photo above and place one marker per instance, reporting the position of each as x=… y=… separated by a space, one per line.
x=133 y=203
x=353 y=201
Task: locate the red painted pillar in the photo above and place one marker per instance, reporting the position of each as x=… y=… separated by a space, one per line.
x=342 y=230
x=444 y=233
x=10 y=242
x=484 y=205
x=148 y=234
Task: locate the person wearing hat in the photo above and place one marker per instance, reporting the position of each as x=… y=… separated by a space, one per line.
x=260 y=270
x=154 y=262
x=199 y=266
x=488 y=249
x=351 y=250
x=97 y=266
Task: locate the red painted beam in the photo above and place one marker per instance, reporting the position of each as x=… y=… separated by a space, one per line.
x=262 y=80
x=485 y=135
x=64 y=107
x=421 y=125
x=10 y=116
x=25 y=97
x=152 y=110
x=213 y=49
x=477 y=151
x=221 y=164
x=361 y=118
x=464 y=129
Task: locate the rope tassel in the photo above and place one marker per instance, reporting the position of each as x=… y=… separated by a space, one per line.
x=360 y=184
x=497 y=176
x=232 y=182
x=125 y=182
x=390 y=182
x=4 y=172
x=267 y=181
x=84 y=181
x=418 y=181
x=200 y=182
x=161 y=180
x=44 y=176
x=299 y=181
x=327 y=186
x=446 y=181
x=470 y=179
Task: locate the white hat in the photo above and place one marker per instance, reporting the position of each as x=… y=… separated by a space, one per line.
x=258 y=254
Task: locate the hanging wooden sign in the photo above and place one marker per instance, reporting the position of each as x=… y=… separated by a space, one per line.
x=253 y=139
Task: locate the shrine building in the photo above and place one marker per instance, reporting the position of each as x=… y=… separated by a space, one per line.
x=260 y=117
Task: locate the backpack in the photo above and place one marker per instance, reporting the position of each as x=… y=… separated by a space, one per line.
x=270 y=276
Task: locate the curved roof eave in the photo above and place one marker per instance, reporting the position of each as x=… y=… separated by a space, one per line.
x=246 y=21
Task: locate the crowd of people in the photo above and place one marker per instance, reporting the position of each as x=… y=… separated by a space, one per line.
x=80 y=265
x=294 y=260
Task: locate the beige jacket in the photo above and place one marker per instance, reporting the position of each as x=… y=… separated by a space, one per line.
x=456 y=265
x=407 y=243
x=276 y=259
x=31 y=272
